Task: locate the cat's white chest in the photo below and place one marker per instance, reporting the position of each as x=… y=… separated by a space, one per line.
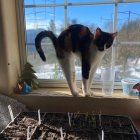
x=95 y=55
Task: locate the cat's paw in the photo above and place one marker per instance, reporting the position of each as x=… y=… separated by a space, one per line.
x=79 y=90
x=91 y=93
x=86 y=94
x=75 y=94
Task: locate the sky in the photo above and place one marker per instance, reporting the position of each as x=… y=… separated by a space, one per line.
x=99 y=15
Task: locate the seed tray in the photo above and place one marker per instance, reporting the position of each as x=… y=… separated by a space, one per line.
x=77 y=126
x=18 y=128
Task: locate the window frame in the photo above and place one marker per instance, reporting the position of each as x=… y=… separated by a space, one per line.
x=22 y=36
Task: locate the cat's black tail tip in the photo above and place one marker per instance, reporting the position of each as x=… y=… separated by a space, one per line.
x=41 y=54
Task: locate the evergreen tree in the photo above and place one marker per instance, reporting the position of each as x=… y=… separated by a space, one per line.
x=28 y=76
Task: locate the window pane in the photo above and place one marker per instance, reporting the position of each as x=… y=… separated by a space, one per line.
x=52 y=18
x=31 y=2
x=93 y=17
x=127 y=61
x=129 y=22
x=38 y=19
x=128 y=53
x=89 y=1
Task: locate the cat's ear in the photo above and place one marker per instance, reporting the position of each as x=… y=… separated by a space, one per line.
x=114 y=34
x=98 y=32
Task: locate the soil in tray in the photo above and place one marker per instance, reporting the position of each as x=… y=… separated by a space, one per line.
x=18 y=128
x=83 y=127
x=90 y=122
x=117 y=124
x=54 y=134
x=77 y=121
x=120 y=137
x=117 y=121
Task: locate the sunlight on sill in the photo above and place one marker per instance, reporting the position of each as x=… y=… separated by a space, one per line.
x=65 y=92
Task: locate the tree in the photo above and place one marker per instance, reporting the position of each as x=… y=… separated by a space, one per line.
x=28 y=76
x=127 y=56
x=52 y=26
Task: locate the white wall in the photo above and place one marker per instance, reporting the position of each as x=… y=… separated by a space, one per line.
x=9 y=49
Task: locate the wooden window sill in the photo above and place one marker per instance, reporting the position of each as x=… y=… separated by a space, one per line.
x=97 y=93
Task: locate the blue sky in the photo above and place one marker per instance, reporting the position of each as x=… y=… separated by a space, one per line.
x=99 y=15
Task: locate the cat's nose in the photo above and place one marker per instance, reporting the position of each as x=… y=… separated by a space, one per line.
x=107 y=46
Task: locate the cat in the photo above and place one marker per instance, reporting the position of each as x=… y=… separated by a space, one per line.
x=78 y=40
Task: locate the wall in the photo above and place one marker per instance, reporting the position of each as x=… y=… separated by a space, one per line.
x=96 y=105
x=9 y=51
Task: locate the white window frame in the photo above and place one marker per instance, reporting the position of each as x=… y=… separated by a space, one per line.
x=22 y=43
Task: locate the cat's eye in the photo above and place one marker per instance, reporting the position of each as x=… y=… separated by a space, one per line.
x=109 y=43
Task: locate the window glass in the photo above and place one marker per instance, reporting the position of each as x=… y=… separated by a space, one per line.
x=89 y=1
x=128 y=47
x=36 y=20
x=93 y=17
x=127 y=61
x=128 y=22
x=31 y=2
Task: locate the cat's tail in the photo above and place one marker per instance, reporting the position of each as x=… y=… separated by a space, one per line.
x=38 y=40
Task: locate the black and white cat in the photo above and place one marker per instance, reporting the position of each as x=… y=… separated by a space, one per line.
x=78 y=40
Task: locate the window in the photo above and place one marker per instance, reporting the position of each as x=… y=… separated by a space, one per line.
x=56 y=15
x=128 y=46
x=38 y=19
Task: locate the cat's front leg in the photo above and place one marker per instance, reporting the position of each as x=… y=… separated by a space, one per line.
x=72 y=86
x=68 y=66
x=92 y=74
x=85 y=75
x=85 y=87
x=75 y=94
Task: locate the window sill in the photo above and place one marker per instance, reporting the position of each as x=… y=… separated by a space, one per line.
x=61 y=100
x=65 y=92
